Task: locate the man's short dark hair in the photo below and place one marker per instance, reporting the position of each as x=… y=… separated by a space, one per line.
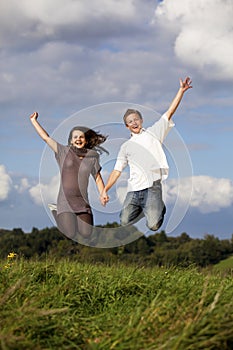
x=131 y=111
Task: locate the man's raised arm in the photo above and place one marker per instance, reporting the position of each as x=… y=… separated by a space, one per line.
x=184 y=86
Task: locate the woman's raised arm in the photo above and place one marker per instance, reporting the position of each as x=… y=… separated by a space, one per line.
x=42 y=133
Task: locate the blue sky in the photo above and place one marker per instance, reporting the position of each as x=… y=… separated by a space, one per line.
x=80 y=63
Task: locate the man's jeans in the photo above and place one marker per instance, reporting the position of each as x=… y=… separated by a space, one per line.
x=147 y=202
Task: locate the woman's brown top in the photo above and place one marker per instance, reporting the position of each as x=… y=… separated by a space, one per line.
x=75 y=166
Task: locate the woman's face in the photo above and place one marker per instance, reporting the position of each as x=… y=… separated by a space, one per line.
x=78 y=139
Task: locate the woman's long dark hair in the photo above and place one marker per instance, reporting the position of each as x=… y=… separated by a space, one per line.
x=93 y=138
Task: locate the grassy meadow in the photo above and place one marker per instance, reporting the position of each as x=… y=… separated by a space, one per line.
x=224 y=265
x=68 y=305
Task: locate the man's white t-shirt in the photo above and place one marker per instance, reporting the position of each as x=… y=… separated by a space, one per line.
x=145 y=156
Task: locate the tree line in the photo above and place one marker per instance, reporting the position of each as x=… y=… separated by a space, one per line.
x=156 y=249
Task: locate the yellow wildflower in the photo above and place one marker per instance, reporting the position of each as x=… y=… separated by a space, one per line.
x=11 y=255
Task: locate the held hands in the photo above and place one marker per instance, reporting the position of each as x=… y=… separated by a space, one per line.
x=185 y=84
x=104 y=198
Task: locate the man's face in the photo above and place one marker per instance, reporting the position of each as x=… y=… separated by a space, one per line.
x=134 y=123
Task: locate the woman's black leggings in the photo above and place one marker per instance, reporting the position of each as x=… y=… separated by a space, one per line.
x=72 y=224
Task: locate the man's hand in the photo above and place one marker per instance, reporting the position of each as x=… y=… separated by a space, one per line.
x=185 y=84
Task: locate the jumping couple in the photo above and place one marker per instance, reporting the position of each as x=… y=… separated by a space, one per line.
x=144 y=154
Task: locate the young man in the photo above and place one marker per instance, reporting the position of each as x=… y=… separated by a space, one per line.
x=144 y=154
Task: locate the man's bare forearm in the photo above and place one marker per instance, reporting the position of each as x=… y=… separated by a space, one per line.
x=115 y=174
x=184 y=86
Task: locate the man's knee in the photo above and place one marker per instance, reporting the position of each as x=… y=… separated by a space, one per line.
x=154 y=226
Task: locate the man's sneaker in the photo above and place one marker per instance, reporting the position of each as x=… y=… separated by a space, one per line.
x=52 y=207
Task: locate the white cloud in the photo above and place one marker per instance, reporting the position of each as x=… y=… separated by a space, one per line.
x=203 y=34
x=45 y=193
x=73 y=51
x=23 y=186
x=209 y=194
x=70 y=11
x=5 y=183
x=67 y=20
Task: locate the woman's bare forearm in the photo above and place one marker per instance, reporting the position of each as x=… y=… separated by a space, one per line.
x=42 y=132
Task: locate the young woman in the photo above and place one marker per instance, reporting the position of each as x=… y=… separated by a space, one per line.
x=76 y=162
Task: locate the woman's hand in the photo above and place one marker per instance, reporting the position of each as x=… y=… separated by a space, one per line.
x=34 y=116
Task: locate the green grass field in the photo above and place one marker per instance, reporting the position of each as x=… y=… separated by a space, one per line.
x=225 y=265
x=68 y=305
